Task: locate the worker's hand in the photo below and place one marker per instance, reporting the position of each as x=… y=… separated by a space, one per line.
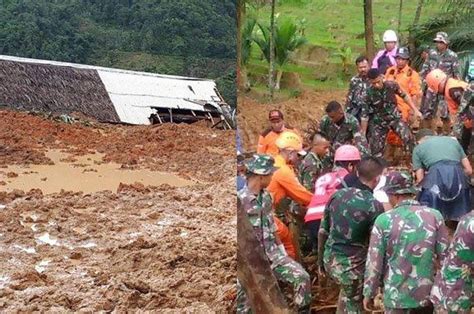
x=321 y=273
x=418 y=114
x=369 y=304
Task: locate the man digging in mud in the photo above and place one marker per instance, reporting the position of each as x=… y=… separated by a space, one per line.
x=406 y=245
x=257 y=203
x=344 y=235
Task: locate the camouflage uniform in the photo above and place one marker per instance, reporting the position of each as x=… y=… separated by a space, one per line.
x=454 y=284
x=347 y=220
x=465 y=111
x=259 y=211
x=405 y=245
x=348 y=132
x=355 y=97
x=380 y=108
x=447 y=62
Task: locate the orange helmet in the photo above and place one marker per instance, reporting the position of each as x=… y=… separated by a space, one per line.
x=434 y=78
x=290 y=140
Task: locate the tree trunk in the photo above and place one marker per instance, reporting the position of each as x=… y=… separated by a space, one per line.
x=399 y=27
x=254 y=272
x=278 y=79
x=271 y=74
x=369 y=30
x=240 y=17
x=411 y=38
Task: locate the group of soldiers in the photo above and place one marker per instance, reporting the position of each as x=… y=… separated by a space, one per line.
x=373 y=230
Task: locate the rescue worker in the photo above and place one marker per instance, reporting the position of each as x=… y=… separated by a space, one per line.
x=284 y=182
x=344 y=235
x=257 y=202
x=346 y=159
x=447 y=61
x=266 y=140
x=380 y=113
x=453 y=289
x=424 y=52
x=406 y=245
x=442 y=167
x=341 y=128
x=310 y=168
x=358 y=88
x=459 y=96
x=385 y=58
x=409 y=81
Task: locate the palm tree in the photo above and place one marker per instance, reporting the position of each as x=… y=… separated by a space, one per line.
x=287 y=39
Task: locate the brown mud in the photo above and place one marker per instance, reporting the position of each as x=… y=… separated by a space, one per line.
x=148 y=246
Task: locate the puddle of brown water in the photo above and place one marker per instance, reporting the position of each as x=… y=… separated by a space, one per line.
x=82 y=175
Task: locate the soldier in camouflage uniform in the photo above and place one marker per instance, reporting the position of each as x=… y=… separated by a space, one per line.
x=344 y=235
x=342 y=128
x=380 y=114
x=446 y=60
x=257 y=202
x=462 y=128
x=406 y=244
x=453 y=289
x=357 y=88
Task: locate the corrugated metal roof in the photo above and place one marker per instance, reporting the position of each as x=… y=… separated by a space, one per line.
x=133 y=93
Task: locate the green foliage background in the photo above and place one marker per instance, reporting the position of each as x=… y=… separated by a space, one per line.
x=179 y=37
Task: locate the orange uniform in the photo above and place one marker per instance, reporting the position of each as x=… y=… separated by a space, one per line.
x=266 y=141
x=285 y=237
x=410 y=83
x=285 y=183
x=453 y=104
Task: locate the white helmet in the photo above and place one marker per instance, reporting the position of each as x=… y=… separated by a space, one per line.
x=389 y=35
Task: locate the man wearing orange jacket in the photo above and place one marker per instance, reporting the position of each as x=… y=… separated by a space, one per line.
x=284 y=182
x=267 y=139
x=409 y=81
x=459 y=96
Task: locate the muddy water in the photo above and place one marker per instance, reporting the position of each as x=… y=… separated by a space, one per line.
x=86 y=174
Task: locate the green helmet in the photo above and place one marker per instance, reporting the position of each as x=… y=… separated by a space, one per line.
x=260 y=165
x=399 y=182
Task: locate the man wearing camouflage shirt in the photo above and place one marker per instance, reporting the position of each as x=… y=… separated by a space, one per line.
x=257 y=202
x=358 y=87
x=380 y=113
x=406 y=245
x=342 y=128
x=453 y=289
x=446 y=60
x=344 y=235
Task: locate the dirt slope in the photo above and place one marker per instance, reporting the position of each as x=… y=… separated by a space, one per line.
x=163 y=248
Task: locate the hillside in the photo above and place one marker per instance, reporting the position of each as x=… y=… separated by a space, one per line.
x=144 y=35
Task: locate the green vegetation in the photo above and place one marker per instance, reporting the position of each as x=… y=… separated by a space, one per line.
x=186 y=37
x=334 y=30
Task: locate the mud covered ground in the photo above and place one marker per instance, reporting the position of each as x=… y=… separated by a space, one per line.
x=139 y=247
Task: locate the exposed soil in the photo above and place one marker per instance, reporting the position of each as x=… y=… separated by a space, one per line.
x=151 y=248
x=298 y=112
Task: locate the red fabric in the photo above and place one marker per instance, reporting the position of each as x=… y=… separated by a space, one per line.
x=452 y=104
x=324 y=188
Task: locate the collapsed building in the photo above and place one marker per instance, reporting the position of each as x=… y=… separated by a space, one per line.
x=108 y=94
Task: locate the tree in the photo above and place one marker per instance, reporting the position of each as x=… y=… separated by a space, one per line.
x=286 y=40
x=254 y=272
x=400 y=9
x=369 y=29
x=411 y=39
x=271 y=60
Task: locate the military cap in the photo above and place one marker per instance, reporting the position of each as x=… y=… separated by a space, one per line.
x=424 y=48
x=403 y=53
x=399 y=182
x=260 y=165
x=441 y=37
